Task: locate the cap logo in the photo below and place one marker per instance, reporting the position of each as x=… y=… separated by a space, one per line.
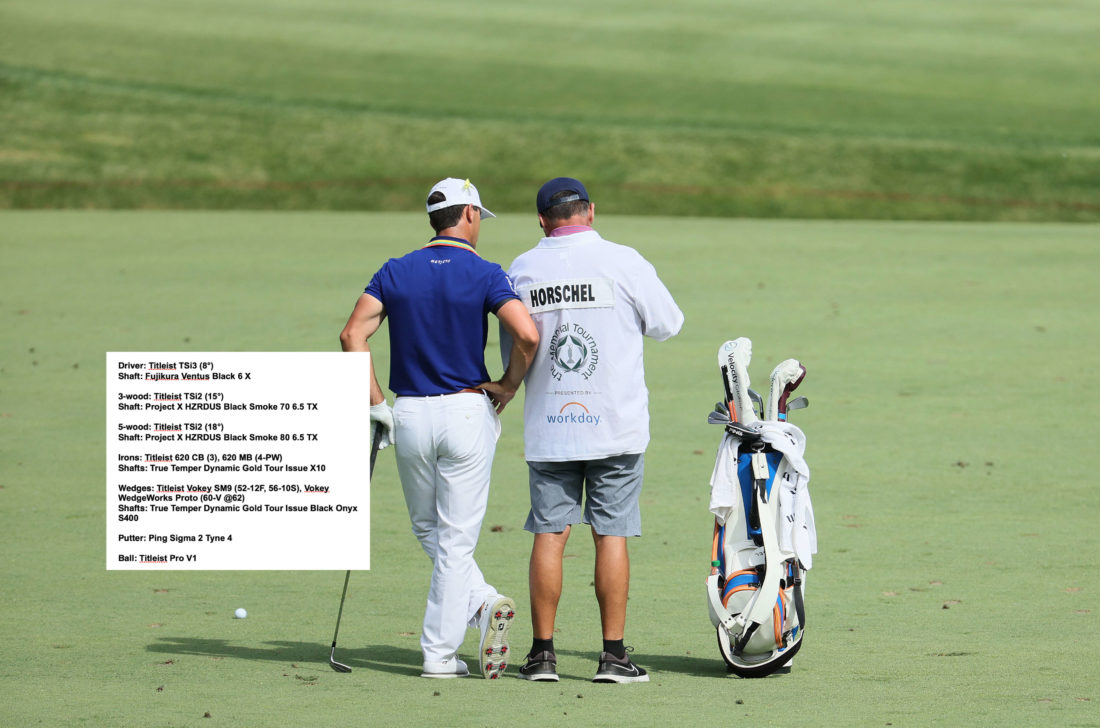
x=456 y=192
x=567 y=198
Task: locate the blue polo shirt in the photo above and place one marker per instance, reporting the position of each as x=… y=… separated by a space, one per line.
x=438 y=300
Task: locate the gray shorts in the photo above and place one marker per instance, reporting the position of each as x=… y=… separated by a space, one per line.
x=610 y=486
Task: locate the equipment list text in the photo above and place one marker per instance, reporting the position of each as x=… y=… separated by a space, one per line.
x=238 y=460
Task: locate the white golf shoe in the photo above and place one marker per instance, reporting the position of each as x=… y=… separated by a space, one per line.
x=453 y=667
x=497 y=615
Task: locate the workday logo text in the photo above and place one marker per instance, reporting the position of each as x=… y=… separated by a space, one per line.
x=573 y=413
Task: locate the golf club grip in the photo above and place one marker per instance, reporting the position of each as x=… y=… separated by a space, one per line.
x=375 y=441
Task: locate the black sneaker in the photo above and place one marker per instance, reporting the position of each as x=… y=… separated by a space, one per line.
x=615 y=670
x=540 y=667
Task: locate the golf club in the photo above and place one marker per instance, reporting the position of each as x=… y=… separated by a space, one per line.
x=733 y=361
x=785 y=379
x=339 y=666
x=758 y=402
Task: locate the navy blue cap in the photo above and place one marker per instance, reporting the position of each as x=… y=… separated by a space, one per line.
x=556 y=185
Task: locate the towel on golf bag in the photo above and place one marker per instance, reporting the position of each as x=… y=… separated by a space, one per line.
x=797 y=533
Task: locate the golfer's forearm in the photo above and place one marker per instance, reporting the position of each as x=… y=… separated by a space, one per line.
x=519 y=361
x=377 y=396
x=525 y=341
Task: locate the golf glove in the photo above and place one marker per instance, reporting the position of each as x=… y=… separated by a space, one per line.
x=381 y=415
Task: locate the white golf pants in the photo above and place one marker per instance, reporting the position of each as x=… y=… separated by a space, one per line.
x=445 y=448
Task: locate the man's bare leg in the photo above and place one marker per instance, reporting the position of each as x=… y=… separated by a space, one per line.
x=545 y=580
x=612 y=583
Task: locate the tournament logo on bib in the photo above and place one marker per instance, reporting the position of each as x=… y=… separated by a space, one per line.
x=573 y=351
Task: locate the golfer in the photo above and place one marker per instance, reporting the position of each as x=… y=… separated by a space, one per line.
x=586 y=415
x=444 y=420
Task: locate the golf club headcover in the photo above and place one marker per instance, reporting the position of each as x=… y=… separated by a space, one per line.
x=733 y=358
x=785 y=379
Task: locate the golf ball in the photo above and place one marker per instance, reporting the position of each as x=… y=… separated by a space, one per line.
x=240 y=613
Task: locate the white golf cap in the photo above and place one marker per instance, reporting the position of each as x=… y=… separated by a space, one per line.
x=458 y=192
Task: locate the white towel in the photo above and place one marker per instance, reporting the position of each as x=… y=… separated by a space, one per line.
x=725 y=489
x=797 y=532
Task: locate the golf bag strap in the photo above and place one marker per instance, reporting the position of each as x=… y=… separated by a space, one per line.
x=743 y=638
x=727 y=620
x=799 y=605
x=759 y=608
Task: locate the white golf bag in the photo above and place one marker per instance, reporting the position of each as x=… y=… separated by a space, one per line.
x=764 y=533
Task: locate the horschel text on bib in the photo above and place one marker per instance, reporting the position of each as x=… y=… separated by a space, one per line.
x=572 y=293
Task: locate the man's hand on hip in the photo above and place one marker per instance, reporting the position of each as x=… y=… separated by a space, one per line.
x=499 y=394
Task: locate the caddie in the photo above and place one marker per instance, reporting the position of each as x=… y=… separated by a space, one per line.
x=444 y=422
x=586 y=415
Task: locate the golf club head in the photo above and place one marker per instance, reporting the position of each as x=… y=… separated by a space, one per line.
x=758 y=401
x=337 y=666
x=718 y=418
x=798 y=403
x=748 y=435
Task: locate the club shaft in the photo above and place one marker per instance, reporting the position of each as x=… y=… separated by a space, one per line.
x=376 y=440
x=340 y=613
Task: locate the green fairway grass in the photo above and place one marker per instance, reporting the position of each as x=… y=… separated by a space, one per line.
x=951 y=376
x=904 y=110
